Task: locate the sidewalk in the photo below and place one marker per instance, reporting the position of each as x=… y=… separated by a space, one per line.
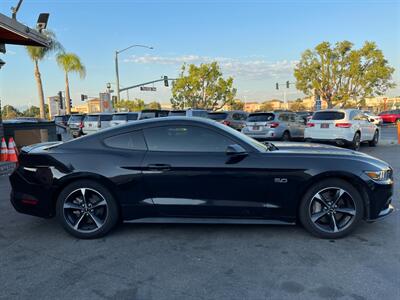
x=6 y=167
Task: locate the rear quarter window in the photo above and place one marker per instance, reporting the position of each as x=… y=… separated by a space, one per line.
x=128 y=141
x=328 y=115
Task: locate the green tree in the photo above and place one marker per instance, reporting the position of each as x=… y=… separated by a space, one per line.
x=340 y=73
x=202 y=87
x=130 y=105
x=9 y=112
x=153 y=105
x=32 y=111
x=70 y=63
x=266 y=106
x=237 y=104
x=36 y=54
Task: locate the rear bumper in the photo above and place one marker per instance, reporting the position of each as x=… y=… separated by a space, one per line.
x=271 y=134
x=31 y=199
x=338 y=141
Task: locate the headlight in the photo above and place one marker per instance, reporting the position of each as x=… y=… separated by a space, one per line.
x=382 y=175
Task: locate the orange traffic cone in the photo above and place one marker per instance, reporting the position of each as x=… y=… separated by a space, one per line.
x=12 y=151
x=4 y=150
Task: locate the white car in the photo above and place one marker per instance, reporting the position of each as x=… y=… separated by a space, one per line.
x=343 y=127
x=92 y=123
x=124 y=117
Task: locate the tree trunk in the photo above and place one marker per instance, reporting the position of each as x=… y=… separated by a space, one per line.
x=67 y=96
x=40 y=91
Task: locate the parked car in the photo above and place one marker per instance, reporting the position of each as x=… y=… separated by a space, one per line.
x=391 y=116
x=62 y=120
x=92 y=123
x=274 y=126
x=150 y=170
x=377 y=120
x=25 y=120
x=75 y=125
x=153 y=113
x=306 y=115
x=342 y=126
x=235 y=118
x=201 y=113
x=124 y=117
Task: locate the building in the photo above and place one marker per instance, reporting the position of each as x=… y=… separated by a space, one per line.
x=91 y=106
x=252 y=106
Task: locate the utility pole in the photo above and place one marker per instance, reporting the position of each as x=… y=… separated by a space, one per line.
x=116 y=66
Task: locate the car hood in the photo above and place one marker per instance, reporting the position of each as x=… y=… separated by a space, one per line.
x=327 y=151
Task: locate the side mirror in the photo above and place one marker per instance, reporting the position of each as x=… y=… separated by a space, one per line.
x=235 y=150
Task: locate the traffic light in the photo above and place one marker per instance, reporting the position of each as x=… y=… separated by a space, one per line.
x=70 y=103
x=166 y=83
x=60 y=100
x=287 y=84
x=277 y=86
x=83 y=97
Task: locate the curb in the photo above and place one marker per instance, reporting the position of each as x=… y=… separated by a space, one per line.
x=6 y=168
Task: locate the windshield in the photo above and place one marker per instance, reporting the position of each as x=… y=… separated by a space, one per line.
x=76 y=118
x=217 y=116
x=328 y=115
x=260 y=117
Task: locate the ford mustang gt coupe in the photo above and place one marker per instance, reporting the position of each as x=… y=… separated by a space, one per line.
x=179 y=169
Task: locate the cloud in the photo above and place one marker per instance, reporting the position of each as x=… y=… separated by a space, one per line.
x=249 y=67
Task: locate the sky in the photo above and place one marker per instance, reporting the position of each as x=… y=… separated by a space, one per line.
x=257 y=42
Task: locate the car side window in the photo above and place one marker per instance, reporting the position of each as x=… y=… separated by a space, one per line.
x=236 y=116
x=283 y=118
x=292 y=118
x=185 y=139
x=129 y=141
x=105 y=118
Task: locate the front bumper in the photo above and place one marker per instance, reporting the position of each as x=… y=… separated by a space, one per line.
x=380 y=201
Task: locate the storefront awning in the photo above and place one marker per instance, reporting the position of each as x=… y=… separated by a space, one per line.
x=13 y=32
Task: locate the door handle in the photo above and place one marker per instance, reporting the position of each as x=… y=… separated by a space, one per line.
x=158 y=167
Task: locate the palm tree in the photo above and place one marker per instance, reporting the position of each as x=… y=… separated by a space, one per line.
x=37 y=54
x=70 y=62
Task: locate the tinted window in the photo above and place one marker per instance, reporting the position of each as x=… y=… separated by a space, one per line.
x=177 y=113
x=105 y=117
x=283 y=117
x=328 y=115
x=131 y=141
x=133 y=116
x=199 y=113
x=185 y=139
x=218 y=116
x=261 y=117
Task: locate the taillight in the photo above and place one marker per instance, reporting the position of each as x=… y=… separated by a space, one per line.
x=310 y=124
x=273 y=125
x=81 y=125
x=225 y=122
x=343 y=125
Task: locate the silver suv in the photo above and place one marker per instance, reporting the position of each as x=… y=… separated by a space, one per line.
x=274 y=126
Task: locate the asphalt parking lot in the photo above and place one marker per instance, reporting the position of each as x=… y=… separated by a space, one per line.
x=38 y=260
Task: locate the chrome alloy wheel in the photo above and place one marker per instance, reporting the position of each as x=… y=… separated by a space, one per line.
x=85 y=210
x=332 y=210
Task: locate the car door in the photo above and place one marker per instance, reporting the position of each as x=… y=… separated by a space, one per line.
x=364 y=125
x=188 y=173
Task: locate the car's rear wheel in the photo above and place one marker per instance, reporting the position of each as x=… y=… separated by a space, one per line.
x=86 y=209
x=286 y=136
x=374 y=140
x=355 y=144
x=331 y=209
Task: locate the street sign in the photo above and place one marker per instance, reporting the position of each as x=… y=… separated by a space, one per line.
x=148 y=88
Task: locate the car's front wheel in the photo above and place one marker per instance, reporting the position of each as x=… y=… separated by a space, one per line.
x=331 y=209
x=86 y=209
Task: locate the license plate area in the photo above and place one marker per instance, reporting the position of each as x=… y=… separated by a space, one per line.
x=256 y=127
x=324 y=125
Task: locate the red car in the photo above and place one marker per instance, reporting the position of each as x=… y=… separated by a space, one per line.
x=391 y=116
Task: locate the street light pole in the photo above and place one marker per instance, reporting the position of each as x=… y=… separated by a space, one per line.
x=116 y=66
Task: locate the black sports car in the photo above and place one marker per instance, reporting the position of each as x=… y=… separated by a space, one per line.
x=197 y=170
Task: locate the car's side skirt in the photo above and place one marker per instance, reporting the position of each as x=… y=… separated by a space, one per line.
x=208 y=221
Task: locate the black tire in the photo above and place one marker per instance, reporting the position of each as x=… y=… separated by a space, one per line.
x=286 y=136
x=324 y=226
x=355 y=144
x=374 y=140
x=95 y=214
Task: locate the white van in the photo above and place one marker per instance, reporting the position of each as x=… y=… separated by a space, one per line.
x=95 y=122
